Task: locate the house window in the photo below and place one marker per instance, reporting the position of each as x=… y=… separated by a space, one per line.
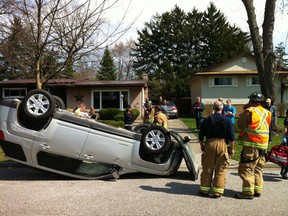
x=223 y=81
x=14 y=92
x=110 y=99
x=252 y=81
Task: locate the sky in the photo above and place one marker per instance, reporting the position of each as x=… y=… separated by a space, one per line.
x=234 y=10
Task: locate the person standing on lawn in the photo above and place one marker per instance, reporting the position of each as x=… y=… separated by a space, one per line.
x=284 y=169
x=198 y=108
x=230 y=111
x=272 y=109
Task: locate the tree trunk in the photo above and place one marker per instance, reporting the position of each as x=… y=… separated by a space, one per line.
x=264 y=55
x=38 y=76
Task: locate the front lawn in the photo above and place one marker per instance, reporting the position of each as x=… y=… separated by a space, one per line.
x=276 y=139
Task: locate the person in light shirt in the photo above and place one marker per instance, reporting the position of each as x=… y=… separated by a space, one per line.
x=230 y=111
x=80 y=111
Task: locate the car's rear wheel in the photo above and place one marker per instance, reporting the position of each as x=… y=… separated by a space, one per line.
x=59 y=103
x=156 y=140
x=38 y=104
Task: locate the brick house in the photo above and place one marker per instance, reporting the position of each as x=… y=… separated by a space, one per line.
x=97 y=94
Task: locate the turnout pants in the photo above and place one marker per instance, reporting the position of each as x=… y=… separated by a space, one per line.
x=250 y=170
x=214 y=160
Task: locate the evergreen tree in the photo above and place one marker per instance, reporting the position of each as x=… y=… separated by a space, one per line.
x=220 y=40
x=107 y=68
x=174 y=45
x=281 y=57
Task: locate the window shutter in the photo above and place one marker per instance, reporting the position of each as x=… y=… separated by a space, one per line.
x=248 y=81
x=235 y=81
x=211 y=81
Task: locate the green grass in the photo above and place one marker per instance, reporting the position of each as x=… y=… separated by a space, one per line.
x=276 y=138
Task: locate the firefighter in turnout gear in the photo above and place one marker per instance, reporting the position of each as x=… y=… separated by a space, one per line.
x=218 y=131
x=160 y=118
x=253 y=127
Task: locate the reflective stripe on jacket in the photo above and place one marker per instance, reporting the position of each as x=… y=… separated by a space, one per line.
x=257 y=133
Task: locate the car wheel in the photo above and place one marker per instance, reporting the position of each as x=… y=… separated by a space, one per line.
x=38 y=104
x=156 y=140
x=59 y=103
x=141 y=128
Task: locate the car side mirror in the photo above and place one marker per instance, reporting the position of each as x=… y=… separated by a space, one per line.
x=187 y=139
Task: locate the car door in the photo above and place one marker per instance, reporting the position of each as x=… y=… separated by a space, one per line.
x=107 y=144
x=189 y=156
x=60 y=144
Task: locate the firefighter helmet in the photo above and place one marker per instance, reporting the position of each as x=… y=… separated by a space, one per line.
x=256 y=97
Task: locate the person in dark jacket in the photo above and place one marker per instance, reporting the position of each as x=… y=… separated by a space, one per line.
x=198 y=108
x=218 y=131
x=128 y=118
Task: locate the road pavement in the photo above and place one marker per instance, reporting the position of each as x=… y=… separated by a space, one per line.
x=28 y=192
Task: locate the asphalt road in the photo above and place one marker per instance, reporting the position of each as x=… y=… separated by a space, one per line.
x=27 y=191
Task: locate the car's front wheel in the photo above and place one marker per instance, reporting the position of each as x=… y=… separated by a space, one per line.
x=141 y=127
x=156 y=140
x=38 y=104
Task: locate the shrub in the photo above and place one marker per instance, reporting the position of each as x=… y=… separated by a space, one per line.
x=109 y=113
x=113 y=123
x=119 y=117
x=135 y=113
x=281 y=109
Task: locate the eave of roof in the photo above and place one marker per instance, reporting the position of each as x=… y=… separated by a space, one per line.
x=209 y=73
x=74 y=83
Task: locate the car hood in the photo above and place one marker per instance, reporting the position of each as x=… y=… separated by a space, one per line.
x=189 y=156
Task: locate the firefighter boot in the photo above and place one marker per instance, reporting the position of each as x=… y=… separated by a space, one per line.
x=243 y=196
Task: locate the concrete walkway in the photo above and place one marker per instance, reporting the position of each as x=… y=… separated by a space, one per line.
x=178 y=126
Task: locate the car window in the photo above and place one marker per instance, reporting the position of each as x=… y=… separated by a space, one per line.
x=170 y=104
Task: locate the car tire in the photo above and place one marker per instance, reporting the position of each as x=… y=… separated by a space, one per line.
x=155 y=140
x=59 y=103
x=38 y=104
x=141 y=128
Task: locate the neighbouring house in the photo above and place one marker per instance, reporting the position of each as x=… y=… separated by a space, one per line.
x=235 y=79
x=97 y=94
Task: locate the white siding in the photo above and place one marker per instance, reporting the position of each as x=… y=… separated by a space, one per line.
x=237 y=65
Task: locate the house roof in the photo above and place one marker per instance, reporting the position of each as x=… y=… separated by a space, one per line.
x=75 y=83
x=209 y=73
x=241 y=55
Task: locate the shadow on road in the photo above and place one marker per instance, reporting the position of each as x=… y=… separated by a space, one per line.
x=183 y=189
x=267 y=176
x=19 y=172
x=15 y=171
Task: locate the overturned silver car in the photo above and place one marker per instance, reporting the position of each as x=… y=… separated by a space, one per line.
x=38 y=133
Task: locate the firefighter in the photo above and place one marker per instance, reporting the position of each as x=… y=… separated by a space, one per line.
x=253 y=127
x=218 y=131
x=148 y=113
x=160 y=118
